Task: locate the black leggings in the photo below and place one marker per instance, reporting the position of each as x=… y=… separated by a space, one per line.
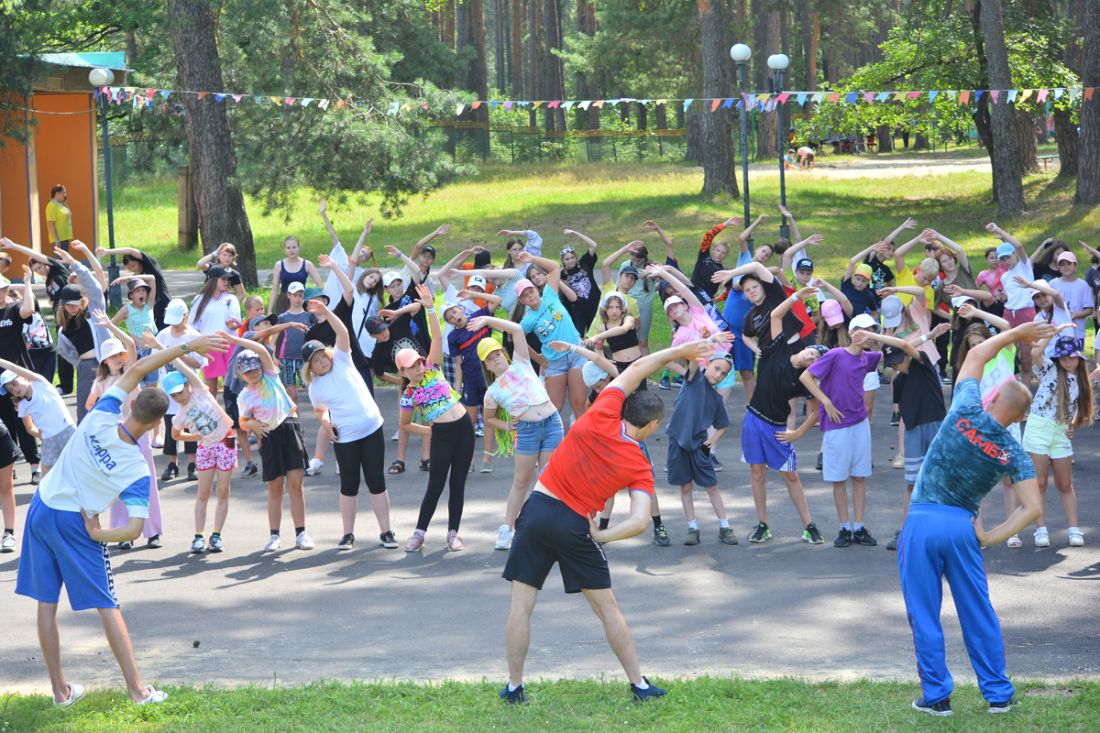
x=27 y=444
x=452 y=450
x=171 y=447
x=367 y=456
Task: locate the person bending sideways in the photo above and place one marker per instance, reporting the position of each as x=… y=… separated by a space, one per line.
x=943 y=534
x=64 y=545
x=602 y=454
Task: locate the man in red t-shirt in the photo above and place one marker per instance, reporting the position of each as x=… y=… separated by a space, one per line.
x=602 y=454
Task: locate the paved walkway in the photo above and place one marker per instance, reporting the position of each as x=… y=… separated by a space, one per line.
x=781 y=608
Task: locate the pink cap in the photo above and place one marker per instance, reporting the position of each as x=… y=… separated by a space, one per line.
x=522 y=285
x=832 y=312
x=406 y=358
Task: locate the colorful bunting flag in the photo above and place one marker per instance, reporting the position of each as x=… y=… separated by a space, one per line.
x=687 y=103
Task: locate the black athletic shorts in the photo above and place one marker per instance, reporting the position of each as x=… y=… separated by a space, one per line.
x=8 y=451
x=231 y=409
x=283 y=450
x=547 y=531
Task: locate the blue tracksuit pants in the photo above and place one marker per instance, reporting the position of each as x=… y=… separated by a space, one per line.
x=938 y=542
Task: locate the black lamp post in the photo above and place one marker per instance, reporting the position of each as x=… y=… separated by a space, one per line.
x=741 y=54
x=98 y=78
x=778 y=63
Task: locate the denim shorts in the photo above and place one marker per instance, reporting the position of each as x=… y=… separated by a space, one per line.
x=565 y=362
x=539 y=436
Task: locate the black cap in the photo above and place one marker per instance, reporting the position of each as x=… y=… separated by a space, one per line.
x=309 y=348
x=482 y=259
x=629 y=270
x=428 y=248
x=257 y=320
x=71 y=294
x=376 y=325
x=804 y=264
x=215 y=271
x=892 y=356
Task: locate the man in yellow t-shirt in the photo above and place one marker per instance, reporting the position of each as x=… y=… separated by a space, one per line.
x=59 y=220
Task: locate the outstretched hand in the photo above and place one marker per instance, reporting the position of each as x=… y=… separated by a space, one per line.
x=425 y=296
x=476 y=324
x=721 y=277
x=1036 y=331
x=215 y=343
x=325 y=261
x=560 y=345
x=700 y=349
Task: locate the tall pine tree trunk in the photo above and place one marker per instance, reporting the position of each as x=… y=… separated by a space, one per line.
x=1007 y=182
x=218 y=198
x=1088 y=159
x=717 y=151
x=1025 y=139
x=448 y=12
x=586 y=85
x=551 y=63
x=500 y=54
x=767 y=42
x=1065 y=135
x=535 y=89
x=516 y=43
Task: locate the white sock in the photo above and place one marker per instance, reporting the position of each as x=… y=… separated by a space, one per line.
x=513 y=688
x=723 y=523
x=693 y=524
x=643 y=685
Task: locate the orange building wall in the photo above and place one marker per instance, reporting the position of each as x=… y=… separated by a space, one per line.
x=61 y=150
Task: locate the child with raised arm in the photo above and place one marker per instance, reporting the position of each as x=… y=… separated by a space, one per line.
x=41 y=409
x=200 y=419
x=63 y=544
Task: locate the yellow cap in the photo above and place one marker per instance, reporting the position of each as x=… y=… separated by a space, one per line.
x=487 y=346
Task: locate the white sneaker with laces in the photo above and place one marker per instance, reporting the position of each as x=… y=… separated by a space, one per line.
x=303 y=542
x=272 y=544
x=1042 y=537
x=1076 y=537
x=314 y=467
x=197 y=545
x=8 y=543
x=504 y=537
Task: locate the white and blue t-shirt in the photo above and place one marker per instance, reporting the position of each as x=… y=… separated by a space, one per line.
x=99 y=466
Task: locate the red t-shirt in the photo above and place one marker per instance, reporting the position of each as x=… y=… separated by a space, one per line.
x=597 y=458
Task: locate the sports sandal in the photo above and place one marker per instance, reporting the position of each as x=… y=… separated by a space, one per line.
x=426 y=464
x=76 y=692
x=396 y=467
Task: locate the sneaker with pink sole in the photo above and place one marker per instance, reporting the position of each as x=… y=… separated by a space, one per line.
x=454 y=542
x=415 y=543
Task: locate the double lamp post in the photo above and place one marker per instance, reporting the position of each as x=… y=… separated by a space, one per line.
x=778 y=63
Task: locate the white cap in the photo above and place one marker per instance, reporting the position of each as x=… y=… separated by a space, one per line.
x=891 y=311
x=390 y=277
x=109 y=348
x=863 y=320
x=672 y=300
x=296 y=287
x=960 y=300
x=175 y=312
x=592 y=374
x=476 y=281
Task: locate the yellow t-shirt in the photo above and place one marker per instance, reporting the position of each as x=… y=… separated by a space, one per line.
x=62 y=218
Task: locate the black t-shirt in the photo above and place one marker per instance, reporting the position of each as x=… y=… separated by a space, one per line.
x=758 y=320
x=80 y=335
x=56 y=278
x=401 y=337
x=705 y=267
x=322 y=331
x=583 y=283
x=881 y=274
x=12 y=346
x=863 y=301
x=921 y=394
x=777 y=384
x=149 y=266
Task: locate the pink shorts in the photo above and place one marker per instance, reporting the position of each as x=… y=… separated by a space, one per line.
x=216 y=366
x=219 y=456
x=1019 y=317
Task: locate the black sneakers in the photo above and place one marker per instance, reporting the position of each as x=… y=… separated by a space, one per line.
x=649 y=693
x=1002 y=707
x=843 y=539
x=513 y=697
x=895 y=419
x=820 y=461
x=170 y=472
x=893 y=544
x=760 y=533
x=250 y=470
x=347 y=541
x=940 y=709
x=863 y=537
x=192 y=472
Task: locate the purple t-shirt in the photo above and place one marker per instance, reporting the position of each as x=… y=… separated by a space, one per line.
x=841 y=374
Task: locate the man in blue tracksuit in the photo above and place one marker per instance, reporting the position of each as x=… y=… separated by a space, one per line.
x=943 y=534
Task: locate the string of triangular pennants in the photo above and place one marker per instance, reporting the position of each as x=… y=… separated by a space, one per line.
x=145 y=98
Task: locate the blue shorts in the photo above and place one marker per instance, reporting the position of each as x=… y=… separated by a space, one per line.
x=917 y=442
x=760 y=446
x=58 y=551
x=292 y=373
x=152 y=377
x=744 y=360
x=548 y=532
x=565 y=362
x=539 y=436
x=690 y=467
x=473 y=391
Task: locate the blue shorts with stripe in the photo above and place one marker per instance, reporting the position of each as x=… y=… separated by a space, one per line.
x=759 y=445
x=57 y=551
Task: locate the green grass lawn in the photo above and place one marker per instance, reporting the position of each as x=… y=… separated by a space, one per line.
x=700 y=705
x=610 y=202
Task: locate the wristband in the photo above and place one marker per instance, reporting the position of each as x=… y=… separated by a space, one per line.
x=924 y=339
x=430 y=311
x=572 y=348
x=185 y=348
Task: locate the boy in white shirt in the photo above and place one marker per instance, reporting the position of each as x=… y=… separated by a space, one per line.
x=64 y=545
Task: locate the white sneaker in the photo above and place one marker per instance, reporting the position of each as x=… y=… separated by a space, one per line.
x=314 y=467
x=504 y=537
x=396 y=435
x=272 y=544
x=1014 y=542
x=8 y=543
x=1076 y=537
x=303 y=542
x=1042 y=537
x=197 y=545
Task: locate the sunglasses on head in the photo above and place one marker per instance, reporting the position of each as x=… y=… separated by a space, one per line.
x=568 y=251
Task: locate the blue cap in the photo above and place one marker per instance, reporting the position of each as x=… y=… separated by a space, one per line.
x=1005 y=250
x=173 y=382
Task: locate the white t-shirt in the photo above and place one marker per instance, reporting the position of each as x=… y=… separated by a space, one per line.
x=47 y=408
x=363 y=306
x=1018 y=297
x=203 y=416
x=99 y=466
x=345 y=395
x=1078 y=296
x=217 y=312
x=166 y=338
